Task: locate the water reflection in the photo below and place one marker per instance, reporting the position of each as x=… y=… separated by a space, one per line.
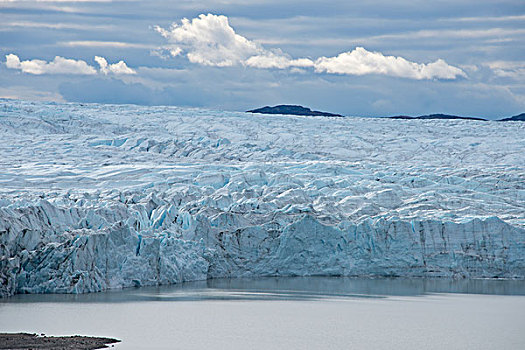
x=287 y=288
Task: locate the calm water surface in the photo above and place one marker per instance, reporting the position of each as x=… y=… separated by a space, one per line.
x=287 y=313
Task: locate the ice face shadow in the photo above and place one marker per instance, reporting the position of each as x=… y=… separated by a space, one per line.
x=287 y=288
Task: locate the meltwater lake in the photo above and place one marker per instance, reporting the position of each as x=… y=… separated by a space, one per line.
x=286 y=313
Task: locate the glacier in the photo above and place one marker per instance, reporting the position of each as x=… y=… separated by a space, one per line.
x=94 y=197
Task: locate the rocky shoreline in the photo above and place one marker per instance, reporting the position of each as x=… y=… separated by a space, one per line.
x=35 y=341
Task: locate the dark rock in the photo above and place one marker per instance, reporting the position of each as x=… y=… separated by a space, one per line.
x=401 y=117
x=436 y=116
x=34 y=341
x=293 y=110
x=519 y=117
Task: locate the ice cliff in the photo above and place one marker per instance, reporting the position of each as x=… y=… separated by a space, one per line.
x=101 y=196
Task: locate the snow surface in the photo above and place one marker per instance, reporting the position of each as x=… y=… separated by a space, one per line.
x=104 y=196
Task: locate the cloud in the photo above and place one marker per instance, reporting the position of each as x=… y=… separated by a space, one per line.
x=210 y=40
x=112 y=90
x=24 y=92
x=59 y=65
x=55 y=25
x=272 y=60
x=489 y=18
x=94 y=43
x=361 y=62
x=460 y=34
x=115 y=68
x=508 y=69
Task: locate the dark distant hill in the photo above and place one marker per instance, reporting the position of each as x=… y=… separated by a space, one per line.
x=519 y=117
x=300 y=110
x=435 y=116
x=293 y=110
x=401 y=117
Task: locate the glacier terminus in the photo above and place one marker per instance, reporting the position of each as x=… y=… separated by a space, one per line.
x=94 y=197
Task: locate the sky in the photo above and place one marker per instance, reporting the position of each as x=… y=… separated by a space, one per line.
x=357 y=58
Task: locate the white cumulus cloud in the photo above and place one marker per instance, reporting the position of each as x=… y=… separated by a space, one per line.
x=360 y=62
x=210 y=40
x=115 y=68
x=59 y=65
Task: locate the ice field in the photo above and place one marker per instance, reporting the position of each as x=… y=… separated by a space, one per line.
x=95 y=196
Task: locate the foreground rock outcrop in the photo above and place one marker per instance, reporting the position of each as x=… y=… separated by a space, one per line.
x=35 y=341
